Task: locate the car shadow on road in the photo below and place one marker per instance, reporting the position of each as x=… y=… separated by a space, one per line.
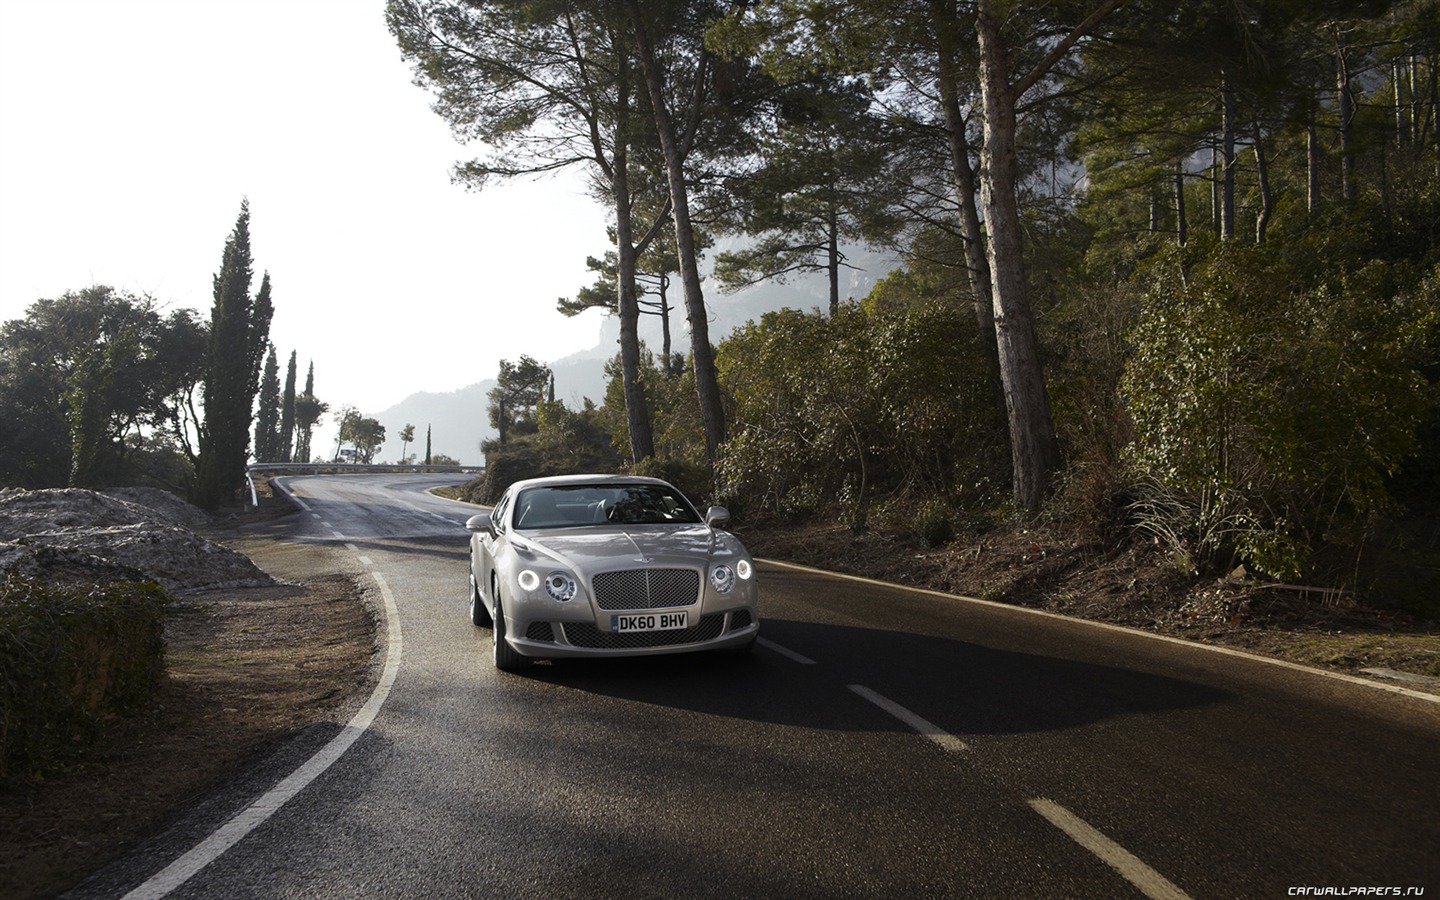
x=962 y=687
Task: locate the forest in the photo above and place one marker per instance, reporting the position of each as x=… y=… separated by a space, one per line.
x=1169 y=270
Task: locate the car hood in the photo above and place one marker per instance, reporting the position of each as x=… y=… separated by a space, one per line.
x=591 y=550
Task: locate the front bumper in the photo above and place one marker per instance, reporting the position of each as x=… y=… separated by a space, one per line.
x=559 y=639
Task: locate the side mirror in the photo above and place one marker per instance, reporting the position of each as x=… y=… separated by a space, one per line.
x=480 y=522
x=717 y=516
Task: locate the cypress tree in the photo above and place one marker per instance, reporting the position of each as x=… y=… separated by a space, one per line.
x=308 y=410
x=267 y=420
x=287 y=415
x=239 y=333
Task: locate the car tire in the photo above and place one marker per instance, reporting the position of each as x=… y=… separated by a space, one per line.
x=479 y=615
x=506 y=657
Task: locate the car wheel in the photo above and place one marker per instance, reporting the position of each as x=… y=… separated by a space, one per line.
x=479 y=615
x=506 y=658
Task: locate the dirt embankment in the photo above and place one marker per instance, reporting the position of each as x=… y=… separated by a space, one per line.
x=264 y=640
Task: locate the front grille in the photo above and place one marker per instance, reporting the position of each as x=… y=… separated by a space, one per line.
x=540 y=631
x=739 y=619
x=584 y=634
x=647 y=588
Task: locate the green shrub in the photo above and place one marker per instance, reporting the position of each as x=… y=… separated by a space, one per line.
x=693 y=479
x=1268 y=418
x=72 y=657
x=934 y=525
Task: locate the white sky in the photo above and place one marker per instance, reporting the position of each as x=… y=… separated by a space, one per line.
x=130 y=131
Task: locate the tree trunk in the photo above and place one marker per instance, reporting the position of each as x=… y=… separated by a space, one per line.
x=832 y=262
x=1215 y=188
x=1182 y=227
x=1034 y=450
x=637 y=410
x=1312 y=164
x=707 y=382
x=1347 y=159
x=665 y=324
x=1267 y=197
x=943 y=16
x=1227 y=173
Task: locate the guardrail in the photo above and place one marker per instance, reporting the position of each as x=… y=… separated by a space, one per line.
x=334 y=468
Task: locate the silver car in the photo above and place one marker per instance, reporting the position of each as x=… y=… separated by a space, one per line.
x=607 y=565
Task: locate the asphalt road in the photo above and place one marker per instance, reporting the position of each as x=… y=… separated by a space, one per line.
x=880 y=742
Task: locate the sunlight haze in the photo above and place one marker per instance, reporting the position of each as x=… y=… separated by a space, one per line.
x=131 y=131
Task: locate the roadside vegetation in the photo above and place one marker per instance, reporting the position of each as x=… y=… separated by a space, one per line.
x=1196 y=312
x=73 y=657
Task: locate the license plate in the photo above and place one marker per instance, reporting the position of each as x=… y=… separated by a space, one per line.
x=649 y=622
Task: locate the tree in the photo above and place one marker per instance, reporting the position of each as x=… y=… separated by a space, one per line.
x=545 y=87
x=364 y=433
x=267 y=421
x=816 y=188
x=518 y=392
x=407 y=434
x=1034 y=450
x=428 y=456
x=83 y=377
x=93 y=394
x=287 y=414
x=308 y=411
x=239 y=333
x=681 y=30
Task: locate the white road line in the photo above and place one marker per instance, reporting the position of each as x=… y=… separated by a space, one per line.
x=929 y=729
x=1150 y=882
x=785 y=652
x=250 y=818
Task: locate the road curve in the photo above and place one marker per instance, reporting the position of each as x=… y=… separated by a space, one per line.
x=880 y=742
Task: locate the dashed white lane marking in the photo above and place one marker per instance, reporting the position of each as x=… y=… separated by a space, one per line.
x=250 y=818
x=1150 y=882
x=925 y=727
x=785 y=652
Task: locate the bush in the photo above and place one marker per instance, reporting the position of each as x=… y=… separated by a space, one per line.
x=1268 y=418
x=693 y=479
x=72 y=657
x=934 y=525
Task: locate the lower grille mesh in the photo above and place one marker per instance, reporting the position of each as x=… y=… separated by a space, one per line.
x=583 y=634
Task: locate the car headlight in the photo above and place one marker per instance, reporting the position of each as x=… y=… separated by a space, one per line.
x=560 y=586
x=723 y=577
x=744 y=569
x=528 y=580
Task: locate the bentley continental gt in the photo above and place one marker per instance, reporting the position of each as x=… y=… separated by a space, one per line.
x=607 y=565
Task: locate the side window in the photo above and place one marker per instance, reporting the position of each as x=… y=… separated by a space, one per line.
x=500 y=512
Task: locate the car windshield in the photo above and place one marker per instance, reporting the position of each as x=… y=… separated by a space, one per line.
x=581 y=505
